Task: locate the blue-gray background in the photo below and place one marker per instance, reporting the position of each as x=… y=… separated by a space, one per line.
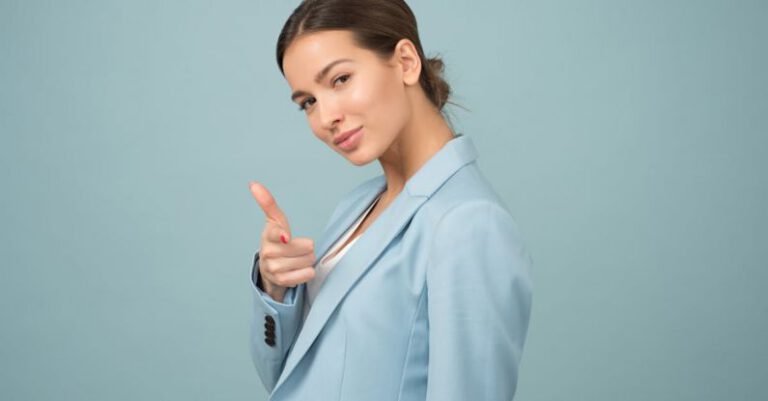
x=627 y=137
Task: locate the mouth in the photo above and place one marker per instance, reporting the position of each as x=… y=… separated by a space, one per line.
x=344 y=135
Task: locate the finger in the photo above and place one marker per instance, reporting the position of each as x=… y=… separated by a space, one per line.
x=295 y=277
x=268 y=204
x=302 y=245
x=298 y=246
x=276 y=233
x=281 y=265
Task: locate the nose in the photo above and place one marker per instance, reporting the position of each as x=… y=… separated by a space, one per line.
x=330 y=115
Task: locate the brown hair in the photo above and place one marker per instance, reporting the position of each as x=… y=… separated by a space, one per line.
x=376 y=25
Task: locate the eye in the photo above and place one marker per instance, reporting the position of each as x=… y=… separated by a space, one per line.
x=303 y=105
x=345 y=77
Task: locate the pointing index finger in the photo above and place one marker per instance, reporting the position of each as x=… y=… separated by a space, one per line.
x=268 y=204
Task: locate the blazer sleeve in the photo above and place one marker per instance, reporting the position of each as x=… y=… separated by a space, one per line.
x=285 y=318
x=479 y=289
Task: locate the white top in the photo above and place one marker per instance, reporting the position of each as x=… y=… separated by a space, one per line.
x=326 y=264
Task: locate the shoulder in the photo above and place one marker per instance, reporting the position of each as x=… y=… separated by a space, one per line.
x=466 y=199
x=466 y=211
x=472 y=239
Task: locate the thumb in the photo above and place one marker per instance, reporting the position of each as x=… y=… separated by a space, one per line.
x=268 y=204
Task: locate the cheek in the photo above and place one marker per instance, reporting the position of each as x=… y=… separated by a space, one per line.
x=361 y=98
x=317 y=130
x=382 y=102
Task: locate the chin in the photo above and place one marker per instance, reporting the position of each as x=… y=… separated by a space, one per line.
x=359 y=158
x=359 y=163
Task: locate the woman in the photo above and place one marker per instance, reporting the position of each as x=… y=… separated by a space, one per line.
x=423 y=290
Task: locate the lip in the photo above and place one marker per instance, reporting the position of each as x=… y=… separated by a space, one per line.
x=344 y=135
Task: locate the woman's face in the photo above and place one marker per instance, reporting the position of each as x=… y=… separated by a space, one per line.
x=354 y=89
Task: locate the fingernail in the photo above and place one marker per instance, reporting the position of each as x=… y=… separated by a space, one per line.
x=282 y=238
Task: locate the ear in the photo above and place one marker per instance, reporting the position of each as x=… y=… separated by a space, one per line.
x=407 y=59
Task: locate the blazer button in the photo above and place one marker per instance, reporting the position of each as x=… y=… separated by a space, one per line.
x=269 y=332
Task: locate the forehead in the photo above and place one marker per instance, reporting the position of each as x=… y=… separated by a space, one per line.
x=309 y=53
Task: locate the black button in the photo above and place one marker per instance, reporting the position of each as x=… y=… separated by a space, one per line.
x=269 y=326
x=269 y=319
x=270 y=341
x=269 y=333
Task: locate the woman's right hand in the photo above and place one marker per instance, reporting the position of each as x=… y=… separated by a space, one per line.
x=283 y=261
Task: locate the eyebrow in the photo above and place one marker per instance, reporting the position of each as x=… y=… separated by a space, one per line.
x=319 y=76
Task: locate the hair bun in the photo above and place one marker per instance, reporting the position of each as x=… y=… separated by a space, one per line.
x=436 y=86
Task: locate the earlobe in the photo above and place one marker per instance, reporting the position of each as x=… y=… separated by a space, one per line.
x=409 y=61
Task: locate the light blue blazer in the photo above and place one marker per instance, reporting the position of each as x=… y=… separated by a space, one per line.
x=431 y=303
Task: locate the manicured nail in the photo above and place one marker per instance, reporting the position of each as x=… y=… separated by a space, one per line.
x=282 y=238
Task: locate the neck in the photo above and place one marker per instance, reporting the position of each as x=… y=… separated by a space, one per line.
x=424 y=136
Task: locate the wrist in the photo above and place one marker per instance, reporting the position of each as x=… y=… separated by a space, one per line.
x=274 y=291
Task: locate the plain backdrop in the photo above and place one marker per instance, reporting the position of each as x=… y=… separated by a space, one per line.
x=628 y=139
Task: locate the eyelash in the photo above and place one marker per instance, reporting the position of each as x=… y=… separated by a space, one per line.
x=302 y=106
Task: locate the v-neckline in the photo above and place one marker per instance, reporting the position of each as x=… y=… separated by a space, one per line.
x=359 y=222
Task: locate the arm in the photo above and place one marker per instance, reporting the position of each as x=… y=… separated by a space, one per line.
x=479 y=301
x=269 y=355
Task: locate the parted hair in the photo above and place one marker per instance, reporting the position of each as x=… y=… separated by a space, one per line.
x=376 y=25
